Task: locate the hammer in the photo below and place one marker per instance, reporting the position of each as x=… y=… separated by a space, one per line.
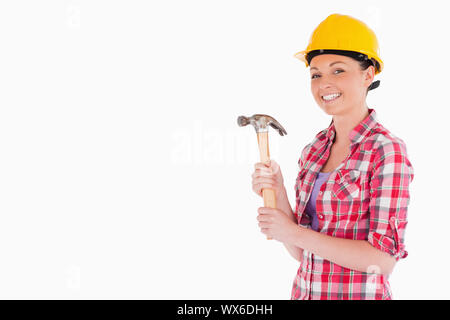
x=261 y=122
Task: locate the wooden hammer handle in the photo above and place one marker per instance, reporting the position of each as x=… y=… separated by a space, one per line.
x=268 y=194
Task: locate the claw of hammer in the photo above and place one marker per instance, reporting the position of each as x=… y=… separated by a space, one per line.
x=260 y=123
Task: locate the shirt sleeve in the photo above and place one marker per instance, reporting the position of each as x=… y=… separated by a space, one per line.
x=389 y=199
x=301 y=163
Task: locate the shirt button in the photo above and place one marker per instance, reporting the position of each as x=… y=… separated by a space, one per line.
x=320 y=192
x=321 y=216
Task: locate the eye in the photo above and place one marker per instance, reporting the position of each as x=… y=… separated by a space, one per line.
x=314 y=75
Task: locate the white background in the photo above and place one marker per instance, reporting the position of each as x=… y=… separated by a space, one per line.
x=123 y=173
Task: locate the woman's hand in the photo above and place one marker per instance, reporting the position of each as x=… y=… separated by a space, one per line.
x=268 y=177
x=277 y=225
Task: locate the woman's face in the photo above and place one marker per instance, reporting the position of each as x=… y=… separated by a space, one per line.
x=337 y=74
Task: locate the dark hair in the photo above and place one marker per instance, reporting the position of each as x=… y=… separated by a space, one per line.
x=367 y=63
x=363 y=59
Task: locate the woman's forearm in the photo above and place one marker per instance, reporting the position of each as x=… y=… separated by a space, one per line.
x=283 y=205
x=358 y=255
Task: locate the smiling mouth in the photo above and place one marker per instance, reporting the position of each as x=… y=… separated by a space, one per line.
x=331 y=97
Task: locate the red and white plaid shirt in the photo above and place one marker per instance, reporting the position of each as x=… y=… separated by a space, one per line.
x=365 y=198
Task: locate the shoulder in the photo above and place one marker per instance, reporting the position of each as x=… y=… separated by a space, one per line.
x=388 y=151
x=383 y=142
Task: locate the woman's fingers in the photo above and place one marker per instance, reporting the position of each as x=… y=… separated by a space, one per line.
x=264 y=225
x=262 y=173
x=272 y=165
x=262 y=170
x=264 y=220
x=259 y=187
x=260 y=183
x=259 y=190
x=263 y=180
x=262 y=165
x=270 y=184
x=264 y=217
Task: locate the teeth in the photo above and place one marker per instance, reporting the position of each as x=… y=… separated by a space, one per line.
x=331 y=96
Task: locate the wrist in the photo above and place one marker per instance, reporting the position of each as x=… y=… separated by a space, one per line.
x=282 y=194
x=283 y=201
x=298 y=236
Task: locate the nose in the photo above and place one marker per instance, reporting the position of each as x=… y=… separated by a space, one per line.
x=325 y=83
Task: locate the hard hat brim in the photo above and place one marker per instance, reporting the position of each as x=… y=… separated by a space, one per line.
x=301 y=55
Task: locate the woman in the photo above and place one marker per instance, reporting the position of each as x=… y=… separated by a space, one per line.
x=352 y=194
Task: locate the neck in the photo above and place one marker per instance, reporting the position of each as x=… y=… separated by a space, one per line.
x=345 y=123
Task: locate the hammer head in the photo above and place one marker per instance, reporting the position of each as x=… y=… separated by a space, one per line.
x=261 y=122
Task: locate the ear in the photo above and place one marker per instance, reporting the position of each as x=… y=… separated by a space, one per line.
x=369 y=75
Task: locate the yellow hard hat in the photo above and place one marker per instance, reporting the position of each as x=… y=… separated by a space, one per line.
x=343 y=33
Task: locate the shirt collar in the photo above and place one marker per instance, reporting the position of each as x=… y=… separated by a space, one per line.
x=359 y=132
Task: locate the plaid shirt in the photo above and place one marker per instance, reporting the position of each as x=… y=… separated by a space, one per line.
x=365 y=198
